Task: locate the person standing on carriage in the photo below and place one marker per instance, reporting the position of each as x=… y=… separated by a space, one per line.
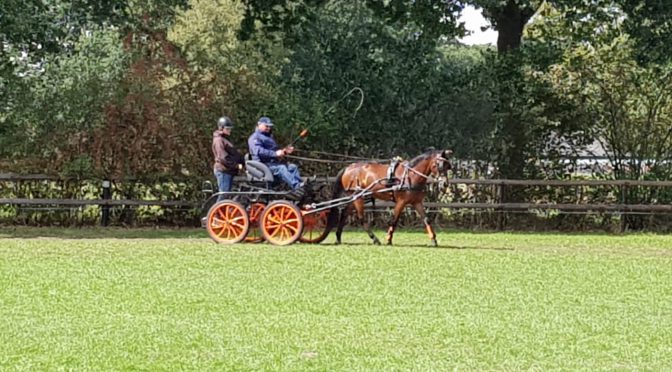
x=228 y=160
x=265 y=149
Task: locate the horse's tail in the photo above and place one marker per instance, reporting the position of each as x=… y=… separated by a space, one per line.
x=337 y=191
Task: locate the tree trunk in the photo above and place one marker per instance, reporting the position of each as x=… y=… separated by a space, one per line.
x=510 y=23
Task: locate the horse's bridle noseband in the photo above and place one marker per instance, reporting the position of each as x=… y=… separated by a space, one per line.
x=442 y=162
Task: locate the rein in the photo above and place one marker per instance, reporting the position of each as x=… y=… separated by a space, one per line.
x=415 y=171
x=351 y=158
x=441 y=158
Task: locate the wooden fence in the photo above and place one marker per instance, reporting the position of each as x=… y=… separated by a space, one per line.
x=497 y=201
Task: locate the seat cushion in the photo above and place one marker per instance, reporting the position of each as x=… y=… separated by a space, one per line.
x=258 y=171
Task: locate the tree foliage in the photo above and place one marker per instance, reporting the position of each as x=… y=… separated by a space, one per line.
x=135 y=87
x=626 y=107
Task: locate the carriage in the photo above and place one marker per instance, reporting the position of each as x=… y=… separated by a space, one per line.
x=258 y=210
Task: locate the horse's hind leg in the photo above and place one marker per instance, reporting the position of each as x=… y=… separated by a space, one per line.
x=359 y=207
x=428 y=226
x=341 y=223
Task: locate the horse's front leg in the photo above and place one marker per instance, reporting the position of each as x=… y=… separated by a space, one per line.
x=359 y=207
x=428 y=226
x=393 y=222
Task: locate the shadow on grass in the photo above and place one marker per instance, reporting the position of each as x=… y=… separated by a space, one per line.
x=24 y=232
x=418 y=246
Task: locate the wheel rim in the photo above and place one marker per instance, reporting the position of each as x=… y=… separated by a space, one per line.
x=254 y=212
x=281 y=223
x=228 y=222
x=314 y=227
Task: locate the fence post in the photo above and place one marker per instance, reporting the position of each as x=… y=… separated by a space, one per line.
x=623 y=223
x=107 y=195
x=501 y=190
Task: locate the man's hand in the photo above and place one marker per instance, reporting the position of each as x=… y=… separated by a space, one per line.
x=280 y=153
x=289 y=149
x=240 y=166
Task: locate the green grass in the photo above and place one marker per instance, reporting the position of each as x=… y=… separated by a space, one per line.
x=172 y=300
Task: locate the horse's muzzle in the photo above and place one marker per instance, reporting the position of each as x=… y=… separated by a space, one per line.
x=442 y=183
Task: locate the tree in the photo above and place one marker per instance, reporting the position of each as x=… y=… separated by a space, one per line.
x=37 y=34
x=232 y=76
x=627 y=107
x=414 y=95
x=509 y=18
x=434 y=18
x=649 y=23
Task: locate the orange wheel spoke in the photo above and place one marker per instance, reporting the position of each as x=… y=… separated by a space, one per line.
x=220 y=231
x=238 y=225
x=276 y=220
x=275 y=232
x=233 y=231
x=273 y=224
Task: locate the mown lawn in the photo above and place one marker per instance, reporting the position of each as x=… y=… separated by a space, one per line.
x=173 y=300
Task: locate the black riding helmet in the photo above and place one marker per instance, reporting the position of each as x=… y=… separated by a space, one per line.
x=224 y=122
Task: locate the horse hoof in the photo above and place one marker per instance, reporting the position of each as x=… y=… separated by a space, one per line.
x=434 y=243
x=389 y=242
x=376 y=242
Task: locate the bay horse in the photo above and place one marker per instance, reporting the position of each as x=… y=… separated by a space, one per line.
x=409 y=189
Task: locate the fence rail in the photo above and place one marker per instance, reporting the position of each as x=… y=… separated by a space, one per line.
x=620 y=208
x=101 y=202
x=496 y=203
x=9 y=177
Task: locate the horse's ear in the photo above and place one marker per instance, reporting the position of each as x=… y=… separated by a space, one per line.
x=430 y=149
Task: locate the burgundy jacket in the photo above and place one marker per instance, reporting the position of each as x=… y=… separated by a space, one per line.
x=226 y=156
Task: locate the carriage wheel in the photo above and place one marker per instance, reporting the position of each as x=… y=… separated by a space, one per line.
x=254 y=211
x=281 y=223
x=227 y=222
x=314 y=227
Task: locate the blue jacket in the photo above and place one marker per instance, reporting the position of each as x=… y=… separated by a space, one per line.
x=263 y=147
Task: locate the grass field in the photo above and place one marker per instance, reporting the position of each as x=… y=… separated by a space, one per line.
x=173 y=300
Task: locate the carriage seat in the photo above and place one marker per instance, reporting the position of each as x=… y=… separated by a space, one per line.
x=257 y=171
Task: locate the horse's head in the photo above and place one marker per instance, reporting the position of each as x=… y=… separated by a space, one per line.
x=440 y=165
x=432 y=163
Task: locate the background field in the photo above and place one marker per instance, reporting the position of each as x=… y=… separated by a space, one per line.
x=171 y=299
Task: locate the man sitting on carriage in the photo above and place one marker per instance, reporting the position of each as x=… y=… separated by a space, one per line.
x=265 y=149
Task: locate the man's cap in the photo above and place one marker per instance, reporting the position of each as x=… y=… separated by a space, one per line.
x=265 y=120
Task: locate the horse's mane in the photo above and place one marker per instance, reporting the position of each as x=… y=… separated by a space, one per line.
x=413 y=162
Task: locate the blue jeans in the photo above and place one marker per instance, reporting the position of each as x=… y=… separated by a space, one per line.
x=288 y=173
x=224 y=182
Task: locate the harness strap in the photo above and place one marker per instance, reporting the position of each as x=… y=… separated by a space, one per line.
x=415 y=171
x=390 y=171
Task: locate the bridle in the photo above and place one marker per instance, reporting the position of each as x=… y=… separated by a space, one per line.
x=440 y=166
